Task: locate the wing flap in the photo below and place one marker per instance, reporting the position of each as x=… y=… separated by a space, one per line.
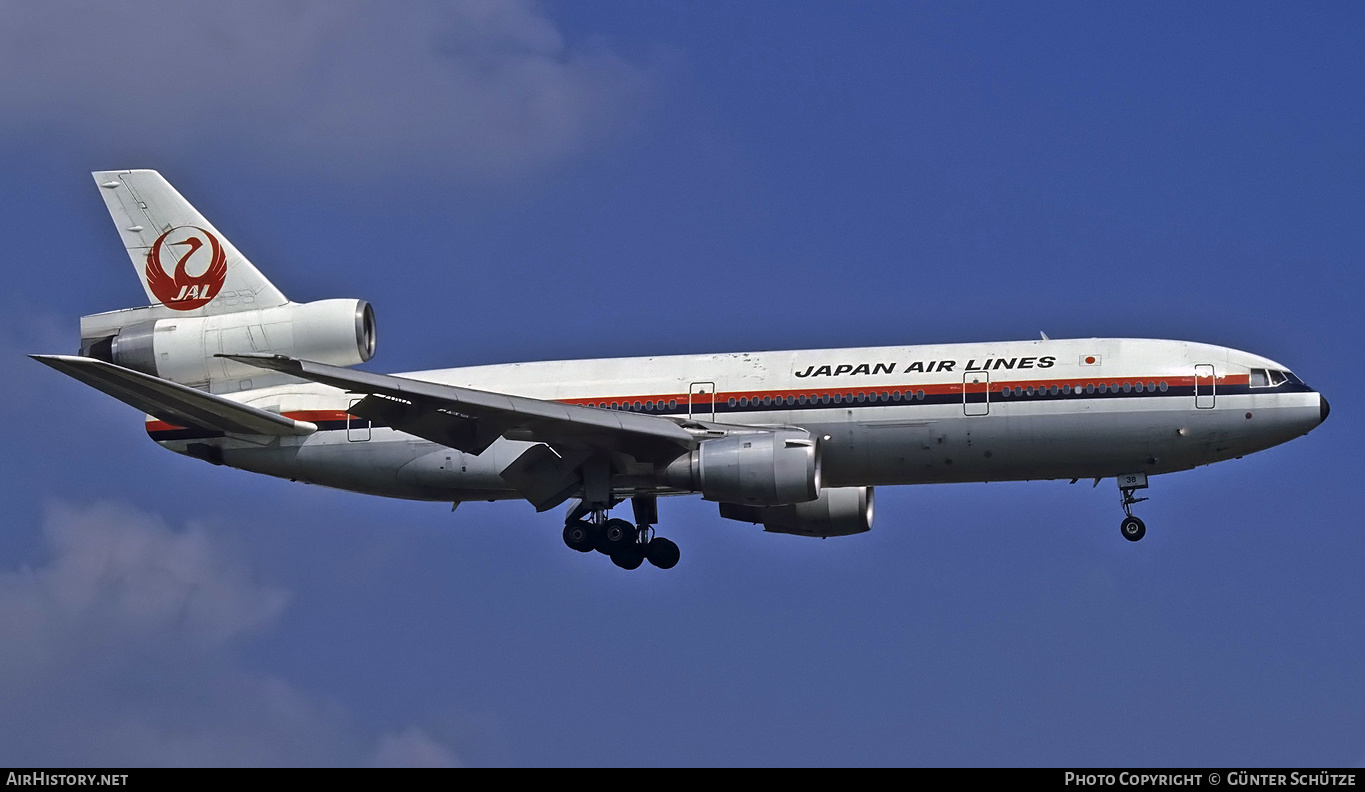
x=428 y=421
x=174 y=403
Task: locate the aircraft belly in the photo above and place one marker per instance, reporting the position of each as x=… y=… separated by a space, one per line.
x=1050 y=443
x=390 y=463
x=461 y=476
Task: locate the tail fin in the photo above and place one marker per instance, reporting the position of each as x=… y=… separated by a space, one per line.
x=184 y=263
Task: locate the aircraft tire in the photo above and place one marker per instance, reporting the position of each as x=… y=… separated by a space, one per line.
x=616 y=534
x=1132 y=528
x=581 y=535
x=662 y=553
x=630 y=557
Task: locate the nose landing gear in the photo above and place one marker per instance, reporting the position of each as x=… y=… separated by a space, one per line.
x=1132 y=528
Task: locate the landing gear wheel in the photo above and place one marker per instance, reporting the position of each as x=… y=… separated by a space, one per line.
x=1132 y=528
x=662 y=553
x=628 y=557
x=617 y=535
x=581 y=535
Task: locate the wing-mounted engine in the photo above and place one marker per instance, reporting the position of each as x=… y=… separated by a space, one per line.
x=185 y=349
x=839 y=511
x=764 y=468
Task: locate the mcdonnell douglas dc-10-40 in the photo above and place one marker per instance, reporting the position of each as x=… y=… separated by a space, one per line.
x=229 y=371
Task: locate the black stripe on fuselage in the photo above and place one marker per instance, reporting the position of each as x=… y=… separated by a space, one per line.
x=854 y=398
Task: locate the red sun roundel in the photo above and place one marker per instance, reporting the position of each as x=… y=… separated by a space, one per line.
x=180 y=290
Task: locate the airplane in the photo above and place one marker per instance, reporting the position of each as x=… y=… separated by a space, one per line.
x=230 y=371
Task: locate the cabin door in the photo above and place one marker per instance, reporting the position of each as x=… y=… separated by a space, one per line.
x=976 y=392
x=701 y=401
x=1204 y=388
x=357 y=428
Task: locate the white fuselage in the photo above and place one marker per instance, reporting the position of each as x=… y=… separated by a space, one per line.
x=1013 y=410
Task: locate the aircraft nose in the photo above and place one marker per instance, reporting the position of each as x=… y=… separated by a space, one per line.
x=1326 y=408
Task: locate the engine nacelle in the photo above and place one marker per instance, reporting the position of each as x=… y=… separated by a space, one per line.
x=184 y=349
x=766 y=468
x=839 y=511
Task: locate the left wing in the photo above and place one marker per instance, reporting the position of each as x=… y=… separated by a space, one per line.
x=470 y=420
x=174 y=403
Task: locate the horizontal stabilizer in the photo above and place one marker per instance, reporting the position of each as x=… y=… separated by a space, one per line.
x=174 y=403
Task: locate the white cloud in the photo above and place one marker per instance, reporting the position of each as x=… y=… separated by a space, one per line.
x=412 y=748
x=123 y=649
x=473 y=87
x=121 y=584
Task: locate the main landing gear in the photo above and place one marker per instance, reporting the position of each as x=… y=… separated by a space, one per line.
x=1132 y=528
x=629 y=545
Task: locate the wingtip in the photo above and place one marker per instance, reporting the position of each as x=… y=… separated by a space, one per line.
x=50 y=360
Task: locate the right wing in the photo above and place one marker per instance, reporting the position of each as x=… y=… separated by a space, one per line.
x=566 y=436
x=174 y=403
x=470 y=420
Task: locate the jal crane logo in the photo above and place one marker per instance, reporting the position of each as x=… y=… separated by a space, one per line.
x=179 y=289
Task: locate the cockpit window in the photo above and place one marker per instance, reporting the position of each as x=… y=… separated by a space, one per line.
x=1269 y=378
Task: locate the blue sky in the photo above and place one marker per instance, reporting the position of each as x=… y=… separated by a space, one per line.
x=513 y=180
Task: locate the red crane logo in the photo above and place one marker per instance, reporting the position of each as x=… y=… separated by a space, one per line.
x=180 y=290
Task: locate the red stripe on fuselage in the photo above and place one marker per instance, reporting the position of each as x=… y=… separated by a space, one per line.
x=311 y=416
x=1077 y=384
x=930 y=389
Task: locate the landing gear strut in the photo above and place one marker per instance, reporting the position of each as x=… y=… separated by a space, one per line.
x=629 y=545
x=1132 y=528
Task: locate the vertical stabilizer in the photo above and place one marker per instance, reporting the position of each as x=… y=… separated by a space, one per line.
x=184 y=263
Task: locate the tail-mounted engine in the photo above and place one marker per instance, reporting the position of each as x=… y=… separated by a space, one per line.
x=184 y=349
